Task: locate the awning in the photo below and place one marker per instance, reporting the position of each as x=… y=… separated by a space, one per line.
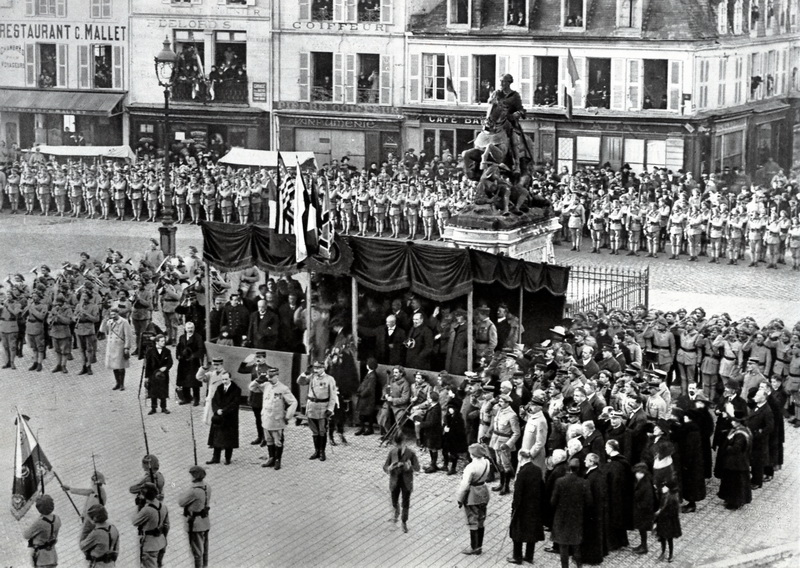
x=120 y=152
x=265 y=158
x=54 y=101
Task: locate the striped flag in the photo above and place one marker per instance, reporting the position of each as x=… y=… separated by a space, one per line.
x=312 y=223
x=286 y=205
x=301 y=250
x=31 y=469
x=327 y=229
x=574 y=79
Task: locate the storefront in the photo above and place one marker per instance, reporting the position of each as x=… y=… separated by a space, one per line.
x=438 y=131
x=30 y=116
x=216 y=130
x=364 y=137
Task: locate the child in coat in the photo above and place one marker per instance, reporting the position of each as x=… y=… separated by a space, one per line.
x=668 y=522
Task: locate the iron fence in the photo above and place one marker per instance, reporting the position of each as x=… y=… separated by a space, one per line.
x=615 y=287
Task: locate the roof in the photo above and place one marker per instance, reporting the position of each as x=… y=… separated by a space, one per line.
x=661 y=20
x=57 y=101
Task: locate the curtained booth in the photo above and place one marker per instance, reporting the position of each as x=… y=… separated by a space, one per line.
x=536 y=292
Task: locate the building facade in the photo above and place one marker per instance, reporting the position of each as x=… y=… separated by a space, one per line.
x=63 y=71
x=221 y=97
x=338 y=77
x=701 y=88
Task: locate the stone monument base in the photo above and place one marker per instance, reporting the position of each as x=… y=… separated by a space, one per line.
x=530 y=240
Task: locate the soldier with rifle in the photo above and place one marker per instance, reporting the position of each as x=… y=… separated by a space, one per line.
x=152 y=476
x=152 y=522
x=196 y=502
x=101 y=544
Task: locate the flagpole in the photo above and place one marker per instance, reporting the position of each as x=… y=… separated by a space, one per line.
x=41 y=473
x=61 y=483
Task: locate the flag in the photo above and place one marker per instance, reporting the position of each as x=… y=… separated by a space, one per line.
x=450 y=87
x=326 y=224
x=31 y=470
x=272 y=204
x=574 y=79
x=301 y=251
x=313 y=222
x=286 y=205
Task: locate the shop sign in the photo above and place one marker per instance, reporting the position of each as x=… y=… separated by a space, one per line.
x=191 y=24
x=341 y=26
x=451 y=120
x=12 y=57
x=92 y=32
x=259 y=92
x=330 y=122
x=335 y=107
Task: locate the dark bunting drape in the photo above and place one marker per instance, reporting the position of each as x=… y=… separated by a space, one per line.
x=435 y=272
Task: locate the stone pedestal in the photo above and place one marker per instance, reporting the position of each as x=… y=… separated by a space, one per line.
x=532 y=241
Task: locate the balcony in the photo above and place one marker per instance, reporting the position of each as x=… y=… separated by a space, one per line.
x=201 y=92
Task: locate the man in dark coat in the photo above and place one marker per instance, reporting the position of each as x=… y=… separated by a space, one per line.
x=620 y=494
x=687 y=438
x=236 y=318
x=190 y=353
x=420 y=345
x=733 y=461
x=595 y=528
x=224 y=432
x=158 y=362
x=390 y=342
x=264 y=327
x=761 y=424
x=593 y=441
x=526 y=510
x=430 y=431
x=456 y=355
x=570 y=500
x=637 y=424
x=401 y=463
x=619 y=432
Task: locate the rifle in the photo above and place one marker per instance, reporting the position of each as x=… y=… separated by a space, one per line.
x=97 y=483
x=194 y=441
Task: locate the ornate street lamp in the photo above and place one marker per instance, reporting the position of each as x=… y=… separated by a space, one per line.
x=165 y=67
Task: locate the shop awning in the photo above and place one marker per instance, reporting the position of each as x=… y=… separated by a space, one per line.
x=123 y=152
x=55 y=101
x=265 y=158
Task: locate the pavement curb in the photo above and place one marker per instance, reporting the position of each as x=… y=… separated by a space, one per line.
x=759 y=558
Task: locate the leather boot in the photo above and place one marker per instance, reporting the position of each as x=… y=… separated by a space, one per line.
x=315 y=455
x=322 y=443
x=278 y=456
x=89 y=370
x=122 y=383
x=502 y=482
x=343 y=439
x=480 y=541
x=505 y=490
x=473 y=543
x=83 y=370
x=271 y=461
x=116 y=382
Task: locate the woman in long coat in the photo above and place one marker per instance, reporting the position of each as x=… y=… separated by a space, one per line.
x=367 y=398
x=595 y=525
x=644 y=505
x=224 y=432
x=690 y=447
x=430 y=431
x=157 y=363
x=454 y=435
x=120 y=341
x=620 y=498
x=526 y=510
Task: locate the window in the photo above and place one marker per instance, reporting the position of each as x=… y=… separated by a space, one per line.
x=46 y=65
x=629 y=14
x=756 y=77
x=517 y=13
x=573 y=13
x=546 y=77
x=101 y=67
x=728 y=150
x=770 y=79
x=321 y=76
x=322 y=9
x=368 y=77
x=433 y=77
x=459 y=12
x=702 y=96
x=598 y=83
x=50 y=8
x=721 y=81
x=655 y=84
x=738 y=80
x=738 y=16
x=101 y=9
x=723 y=10
x=485 y=77
x=369 y=11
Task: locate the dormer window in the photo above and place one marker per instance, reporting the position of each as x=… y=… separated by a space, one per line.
x=459 y=12
x=738 y=17
x=629 y=14
x=517 y=13
x=573 y=14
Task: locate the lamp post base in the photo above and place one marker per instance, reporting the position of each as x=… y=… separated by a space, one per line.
x=167 y=232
